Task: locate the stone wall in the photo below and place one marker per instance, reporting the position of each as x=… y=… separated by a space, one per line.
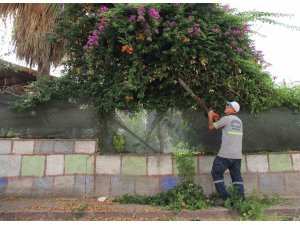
x=72 y=168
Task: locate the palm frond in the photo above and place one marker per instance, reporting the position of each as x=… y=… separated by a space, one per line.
x=32 y=25
x=265 y=17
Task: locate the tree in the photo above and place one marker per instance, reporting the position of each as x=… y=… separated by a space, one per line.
x=130 y=56
x=33 y=36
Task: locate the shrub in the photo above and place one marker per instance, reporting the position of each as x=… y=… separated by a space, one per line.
x=130 y=56
x=186 y=165
x=119 y=142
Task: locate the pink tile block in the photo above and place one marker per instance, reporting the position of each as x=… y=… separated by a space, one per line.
x=257 y=163
x=296 y=161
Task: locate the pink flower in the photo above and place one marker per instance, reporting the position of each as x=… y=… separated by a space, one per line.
x=215 y=30
x=226 y=8
x=246 y=28
x=238 y=32
x=102 y=10
x=132 y=18
x=153 y=13
x=141 y=10
x=239 y=50
x=141 y=13
x=141 y=18
x=197 y=29
x=94 y=38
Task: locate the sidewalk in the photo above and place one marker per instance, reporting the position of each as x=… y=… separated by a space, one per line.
x=91 y=209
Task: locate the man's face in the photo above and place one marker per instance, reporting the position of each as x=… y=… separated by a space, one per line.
x=229 y=110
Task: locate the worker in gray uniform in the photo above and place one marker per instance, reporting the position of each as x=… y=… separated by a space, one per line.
x=230 y=153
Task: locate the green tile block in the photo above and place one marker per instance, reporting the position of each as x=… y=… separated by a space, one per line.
x=175 y=167
x=280 y=162
x=33 y=166
x=79 y=164
x=134 y=165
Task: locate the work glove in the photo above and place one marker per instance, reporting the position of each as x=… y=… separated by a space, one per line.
x=214 y=115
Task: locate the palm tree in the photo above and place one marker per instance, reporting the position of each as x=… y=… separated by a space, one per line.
x=33 y=32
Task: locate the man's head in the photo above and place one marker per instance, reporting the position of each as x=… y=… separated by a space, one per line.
x=232 y=108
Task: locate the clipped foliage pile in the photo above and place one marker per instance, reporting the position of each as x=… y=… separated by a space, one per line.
x=186 y=195
x=252 y=208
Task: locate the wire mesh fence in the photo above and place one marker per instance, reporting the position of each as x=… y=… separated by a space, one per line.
x=147 y=131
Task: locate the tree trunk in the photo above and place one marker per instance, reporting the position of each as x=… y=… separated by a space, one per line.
x=43 y=69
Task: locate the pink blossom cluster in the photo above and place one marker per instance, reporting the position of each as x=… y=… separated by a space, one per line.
x=141 y=13
x=239 y=32
x=236 y=31
x=239 y=50
x=215 y=30
x=197 y=29
x=94 y=38
x=170 y=23
x=132 y=18
x=259 y=55
x=102 y=9
x=226 y=8
x=153 y=13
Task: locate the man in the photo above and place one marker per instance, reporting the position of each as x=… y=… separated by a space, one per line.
x=230 y=153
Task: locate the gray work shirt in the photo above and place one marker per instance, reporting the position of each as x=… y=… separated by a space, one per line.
x=232 y=136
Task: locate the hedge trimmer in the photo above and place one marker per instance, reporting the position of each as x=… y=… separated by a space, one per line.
x=195 y=97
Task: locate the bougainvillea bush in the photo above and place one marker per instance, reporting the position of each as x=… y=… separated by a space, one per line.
x=130 y=56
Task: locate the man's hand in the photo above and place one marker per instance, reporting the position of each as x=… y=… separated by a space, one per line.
x=211 y=113
x=214 y=116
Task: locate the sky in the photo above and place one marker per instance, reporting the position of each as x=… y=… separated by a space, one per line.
x=281 y=46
